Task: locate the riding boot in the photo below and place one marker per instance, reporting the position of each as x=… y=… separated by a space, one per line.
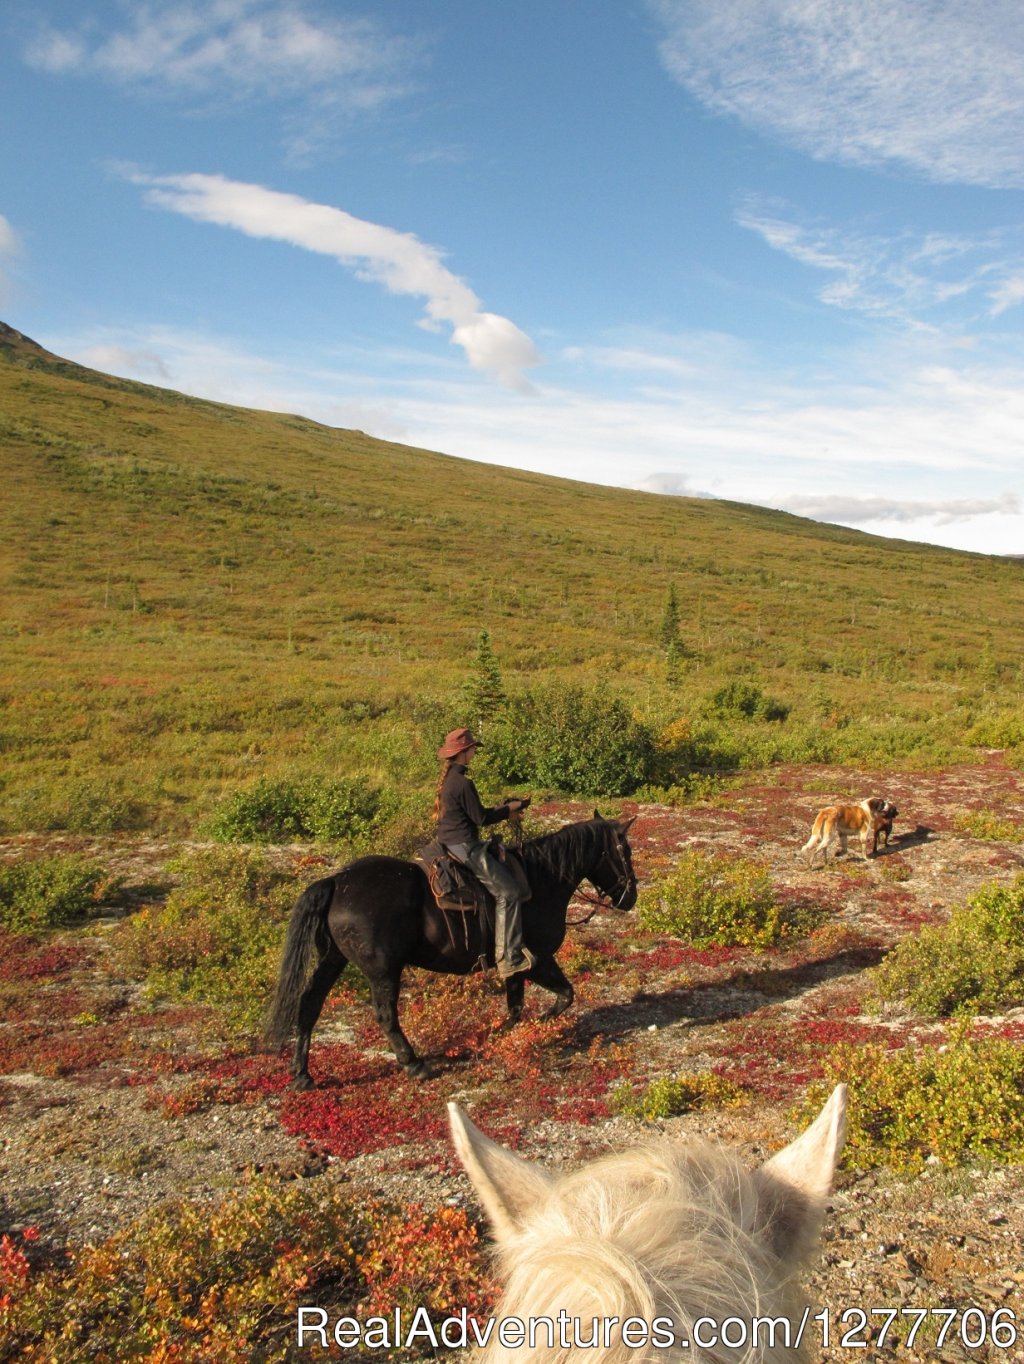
x=510 y=956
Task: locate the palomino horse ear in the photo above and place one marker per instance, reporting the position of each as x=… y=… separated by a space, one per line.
x=794 y=1184
x=507 y=1186
x=810 y=1161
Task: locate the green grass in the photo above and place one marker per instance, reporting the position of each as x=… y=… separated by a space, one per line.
x=199 y=596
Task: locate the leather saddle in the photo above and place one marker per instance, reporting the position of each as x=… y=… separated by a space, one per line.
x=455 y=887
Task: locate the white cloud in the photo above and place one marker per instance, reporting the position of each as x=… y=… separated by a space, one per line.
x=933 y=85
x=126 y=360
x=861 y=510
x=668 y=484
x=8 y=238
x=398 y=260
x=10 y=246
x=265 y=50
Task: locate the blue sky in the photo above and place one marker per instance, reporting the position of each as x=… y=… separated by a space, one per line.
x=766 y=250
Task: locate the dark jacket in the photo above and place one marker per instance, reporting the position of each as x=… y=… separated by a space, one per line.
x=461 y=811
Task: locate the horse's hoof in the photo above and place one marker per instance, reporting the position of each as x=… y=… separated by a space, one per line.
x=555 y=1011
x=304 y=1081
x=419 y=1070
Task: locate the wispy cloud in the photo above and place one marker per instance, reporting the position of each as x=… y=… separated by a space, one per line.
x=669 y=484
x=933 y=85
x=927 y=278
x=398 y=260
x=1007 y=294
x=270 y=50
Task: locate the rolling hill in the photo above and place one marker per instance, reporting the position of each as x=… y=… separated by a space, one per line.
x=196 y=594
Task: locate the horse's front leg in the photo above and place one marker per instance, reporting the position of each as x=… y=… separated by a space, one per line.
x=384 y=992
x=550 y=975
x=515 y=993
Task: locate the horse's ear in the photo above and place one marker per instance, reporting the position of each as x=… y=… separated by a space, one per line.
x=794 y=1184
x=507 y=1186
x=810 y=1161
x=625 y=823
x=597 y=813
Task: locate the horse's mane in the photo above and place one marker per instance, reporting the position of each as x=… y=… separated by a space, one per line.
x=676 y=1231
x=562 y=852
x=659 y=1231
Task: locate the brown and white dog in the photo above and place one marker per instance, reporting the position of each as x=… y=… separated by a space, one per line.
x=866 y=819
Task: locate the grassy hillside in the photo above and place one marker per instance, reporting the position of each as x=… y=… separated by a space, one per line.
x=197 y=595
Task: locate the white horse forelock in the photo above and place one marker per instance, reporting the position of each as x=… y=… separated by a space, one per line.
x=668 y=1230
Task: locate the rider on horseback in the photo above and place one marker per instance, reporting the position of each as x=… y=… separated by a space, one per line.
x=459 y=813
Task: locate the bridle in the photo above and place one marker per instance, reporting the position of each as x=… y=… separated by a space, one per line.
x=626 y=882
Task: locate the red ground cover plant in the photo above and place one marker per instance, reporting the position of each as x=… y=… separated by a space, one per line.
x=400 y=1263
x=14 y=1267
x=362 y=1104
x=24 y=958
x=65 y=1050
x=777 y=1055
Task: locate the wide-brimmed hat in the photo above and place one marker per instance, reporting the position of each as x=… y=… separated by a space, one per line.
x=456 y=741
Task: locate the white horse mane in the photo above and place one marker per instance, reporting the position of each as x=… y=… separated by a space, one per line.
x=668 y=1230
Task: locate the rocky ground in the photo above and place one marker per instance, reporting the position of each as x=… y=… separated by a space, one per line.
x=85 y=1147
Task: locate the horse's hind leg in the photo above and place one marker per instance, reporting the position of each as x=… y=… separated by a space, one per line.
x=550 y=975
x=384 y=992
x=310 y=1004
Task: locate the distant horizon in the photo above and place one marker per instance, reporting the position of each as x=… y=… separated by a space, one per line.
x=692 y=496
x=767 y=251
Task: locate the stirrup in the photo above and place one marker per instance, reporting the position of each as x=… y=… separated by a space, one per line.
x=527 y=964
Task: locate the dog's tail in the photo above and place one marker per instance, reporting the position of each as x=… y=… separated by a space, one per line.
x=816 y=831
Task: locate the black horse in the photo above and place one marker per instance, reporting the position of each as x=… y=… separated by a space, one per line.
x=379 y=912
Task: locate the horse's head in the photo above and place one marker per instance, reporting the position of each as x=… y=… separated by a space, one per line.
x=676 y=1235
x=613 y=873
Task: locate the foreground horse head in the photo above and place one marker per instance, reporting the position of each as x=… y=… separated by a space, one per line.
x=678 y=1237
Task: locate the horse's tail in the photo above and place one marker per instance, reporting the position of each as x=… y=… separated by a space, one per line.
x=307 y=937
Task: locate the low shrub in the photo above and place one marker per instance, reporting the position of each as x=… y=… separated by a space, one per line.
x=689 y=789
x=721 y=900
x=224 y=1283
x=569 y=738
x=346 y=809
x=48 y=892
x=746 y=700
x=668 y=1096
x=216 y=939
x=961 y=1100
x=972 y=964
x=989 y=826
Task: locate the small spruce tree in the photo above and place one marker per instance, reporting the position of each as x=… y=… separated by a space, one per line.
x=483 y=693
x=670 y=620
x=675 y=650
